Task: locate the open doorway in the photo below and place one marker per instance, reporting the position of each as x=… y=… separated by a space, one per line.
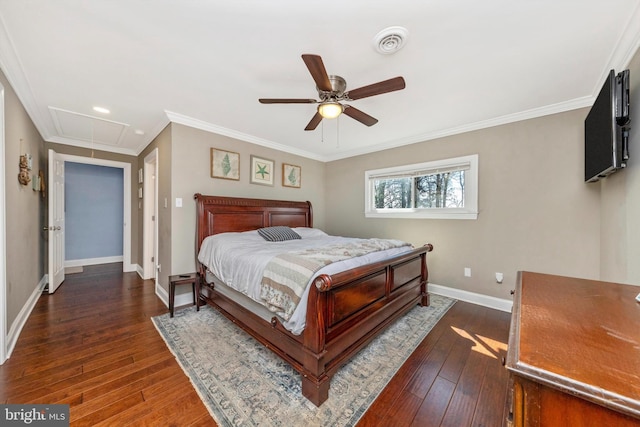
x=126 y=200
x=93 y=214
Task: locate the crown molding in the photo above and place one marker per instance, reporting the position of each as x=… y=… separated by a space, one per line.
x=627 y=45
x=510 y=118
x=14 y=71
x=209 y=127
x=484 y=124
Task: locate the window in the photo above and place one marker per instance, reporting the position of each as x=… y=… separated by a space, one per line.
x=439 y=189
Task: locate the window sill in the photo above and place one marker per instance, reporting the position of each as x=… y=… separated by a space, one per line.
x=422 y=215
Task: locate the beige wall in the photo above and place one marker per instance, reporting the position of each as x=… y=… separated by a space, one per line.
x=189 y=173
x=620 y=203
x=24 y=207
x=535 y=211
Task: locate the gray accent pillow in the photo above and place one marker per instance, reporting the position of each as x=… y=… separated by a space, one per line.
x=278 y=233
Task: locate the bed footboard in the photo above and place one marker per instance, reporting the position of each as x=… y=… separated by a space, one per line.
x=347 y=310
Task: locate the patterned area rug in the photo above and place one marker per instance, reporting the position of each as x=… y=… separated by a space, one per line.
x=244 y=384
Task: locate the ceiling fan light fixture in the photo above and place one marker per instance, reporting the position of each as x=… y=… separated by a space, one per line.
x=330 y=110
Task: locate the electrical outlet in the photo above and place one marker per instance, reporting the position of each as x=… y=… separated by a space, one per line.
x=467 y=272
x=499 y=277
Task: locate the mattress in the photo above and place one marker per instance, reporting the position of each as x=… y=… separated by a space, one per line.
x=238 y=260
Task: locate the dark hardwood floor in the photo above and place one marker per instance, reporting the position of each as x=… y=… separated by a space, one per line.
x=92 y=345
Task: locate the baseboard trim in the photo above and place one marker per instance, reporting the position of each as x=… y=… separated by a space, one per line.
x=92 y=261
x=182 y=297
x=472 y=297
x=23 y=316
x=104 y=260
x=162 y=294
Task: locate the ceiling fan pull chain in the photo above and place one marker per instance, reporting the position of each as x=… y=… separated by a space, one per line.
x=338 y=133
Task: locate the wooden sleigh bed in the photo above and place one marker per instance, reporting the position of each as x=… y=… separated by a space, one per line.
x=345 y=311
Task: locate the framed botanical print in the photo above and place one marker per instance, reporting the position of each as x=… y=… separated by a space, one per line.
x=262 y=171
x=225 y=164
x=291 y=175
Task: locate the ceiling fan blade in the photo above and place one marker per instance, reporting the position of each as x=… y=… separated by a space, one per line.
x=315 y=121
x=318 y=71
x=385 y=86
x=286 y=101
x=360 y=116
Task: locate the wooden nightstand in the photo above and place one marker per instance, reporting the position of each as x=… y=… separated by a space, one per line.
x=184 y=279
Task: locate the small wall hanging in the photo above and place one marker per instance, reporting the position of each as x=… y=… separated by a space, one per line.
x=261 y=171
x=291 y=175
x=24 y=176
x=225 y=164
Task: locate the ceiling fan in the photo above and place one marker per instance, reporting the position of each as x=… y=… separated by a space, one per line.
x=332 y=91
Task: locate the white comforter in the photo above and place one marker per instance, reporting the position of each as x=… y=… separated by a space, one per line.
x=239 y=259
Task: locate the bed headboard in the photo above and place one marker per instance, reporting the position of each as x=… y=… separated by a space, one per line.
x=217 y=214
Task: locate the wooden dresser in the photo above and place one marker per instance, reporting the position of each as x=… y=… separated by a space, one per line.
x=574 y=352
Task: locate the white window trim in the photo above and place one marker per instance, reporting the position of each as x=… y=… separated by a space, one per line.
x=470 y=211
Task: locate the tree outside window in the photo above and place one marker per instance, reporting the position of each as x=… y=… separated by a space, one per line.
x=440 y=189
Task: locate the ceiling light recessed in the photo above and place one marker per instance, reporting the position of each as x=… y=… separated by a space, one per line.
x=390 y=40
x=139 y=132
x=101 y=110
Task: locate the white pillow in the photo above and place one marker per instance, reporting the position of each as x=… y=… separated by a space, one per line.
x=306 y=232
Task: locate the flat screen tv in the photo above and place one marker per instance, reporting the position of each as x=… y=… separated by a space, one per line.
x=606 y=129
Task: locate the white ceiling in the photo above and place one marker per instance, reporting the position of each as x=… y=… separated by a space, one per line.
x=467 y=64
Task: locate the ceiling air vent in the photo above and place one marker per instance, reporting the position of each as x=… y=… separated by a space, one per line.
x=390 y=40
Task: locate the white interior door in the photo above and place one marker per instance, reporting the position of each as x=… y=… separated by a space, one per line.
x=56 y=221
x=150 y=215
x=3 y=240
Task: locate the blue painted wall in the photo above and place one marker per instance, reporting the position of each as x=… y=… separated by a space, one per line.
x=93 y=211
